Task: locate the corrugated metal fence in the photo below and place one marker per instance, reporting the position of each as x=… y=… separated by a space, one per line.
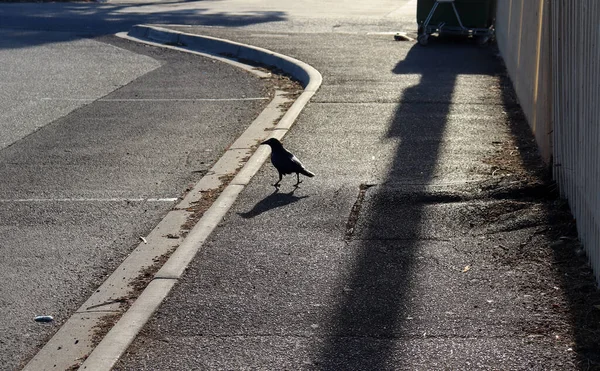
x=576 y=54
x=552 y=53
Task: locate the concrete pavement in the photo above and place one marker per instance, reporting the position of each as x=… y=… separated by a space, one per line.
x=430 y=238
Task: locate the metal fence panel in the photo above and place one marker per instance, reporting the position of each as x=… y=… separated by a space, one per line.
x=557 y=80
x=576 y=31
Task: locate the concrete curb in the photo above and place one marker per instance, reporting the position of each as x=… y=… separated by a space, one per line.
x=122 y=334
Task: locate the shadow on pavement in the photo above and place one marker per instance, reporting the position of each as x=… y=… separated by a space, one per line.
x=79 y=20
x=370 y=317
x=272 y=201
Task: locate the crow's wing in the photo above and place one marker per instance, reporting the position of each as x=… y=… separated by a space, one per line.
x=300 y=168
x=285 y=162
x=297 y=165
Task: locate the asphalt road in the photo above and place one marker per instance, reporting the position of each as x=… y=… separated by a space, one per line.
x=74 y=192
x=91 y=127
x=46 y=75
x=426 y=240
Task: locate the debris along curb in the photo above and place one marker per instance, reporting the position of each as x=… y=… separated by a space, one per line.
x=118 y=339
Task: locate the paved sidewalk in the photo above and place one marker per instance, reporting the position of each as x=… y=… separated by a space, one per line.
x=428 y=239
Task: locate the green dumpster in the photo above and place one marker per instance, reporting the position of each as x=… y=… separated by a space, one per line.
x=473 y=13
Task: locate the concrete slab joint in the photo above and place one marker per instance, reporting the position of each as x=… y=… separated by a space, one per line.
x=84 y=323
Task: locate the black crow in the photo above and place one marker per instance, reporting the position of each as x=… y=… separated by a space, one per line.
x=285 y=162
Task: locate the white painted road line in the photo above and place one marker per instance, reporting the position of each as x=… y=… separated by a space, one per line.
x=160 y=99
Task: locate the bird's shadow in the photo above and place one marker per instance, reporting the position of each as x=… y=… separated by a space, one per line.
x=272 y=201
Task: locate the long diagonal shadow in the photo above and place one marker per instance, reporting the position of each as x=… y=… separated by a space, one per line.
x=370 y=317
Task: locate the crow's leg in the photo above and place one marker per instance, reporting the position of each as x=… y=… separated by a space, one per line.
x=276 y=185
x=298 y=181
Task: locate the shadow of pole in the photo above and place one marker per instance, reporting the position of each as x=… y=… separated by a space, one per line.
x=371 y=318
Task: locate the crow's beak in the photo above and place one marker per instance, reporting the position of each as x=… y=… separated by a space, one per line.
x=265 y=142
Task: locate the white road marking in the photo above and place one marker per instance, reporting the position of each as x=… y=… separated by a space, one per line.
x=158 y=99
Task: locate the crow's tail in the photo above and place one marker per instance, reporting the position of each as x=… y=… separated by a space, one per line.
x=307 y=173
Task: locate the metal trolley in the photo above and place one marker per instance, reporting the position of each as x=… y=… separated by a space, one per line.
x=479 y=15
